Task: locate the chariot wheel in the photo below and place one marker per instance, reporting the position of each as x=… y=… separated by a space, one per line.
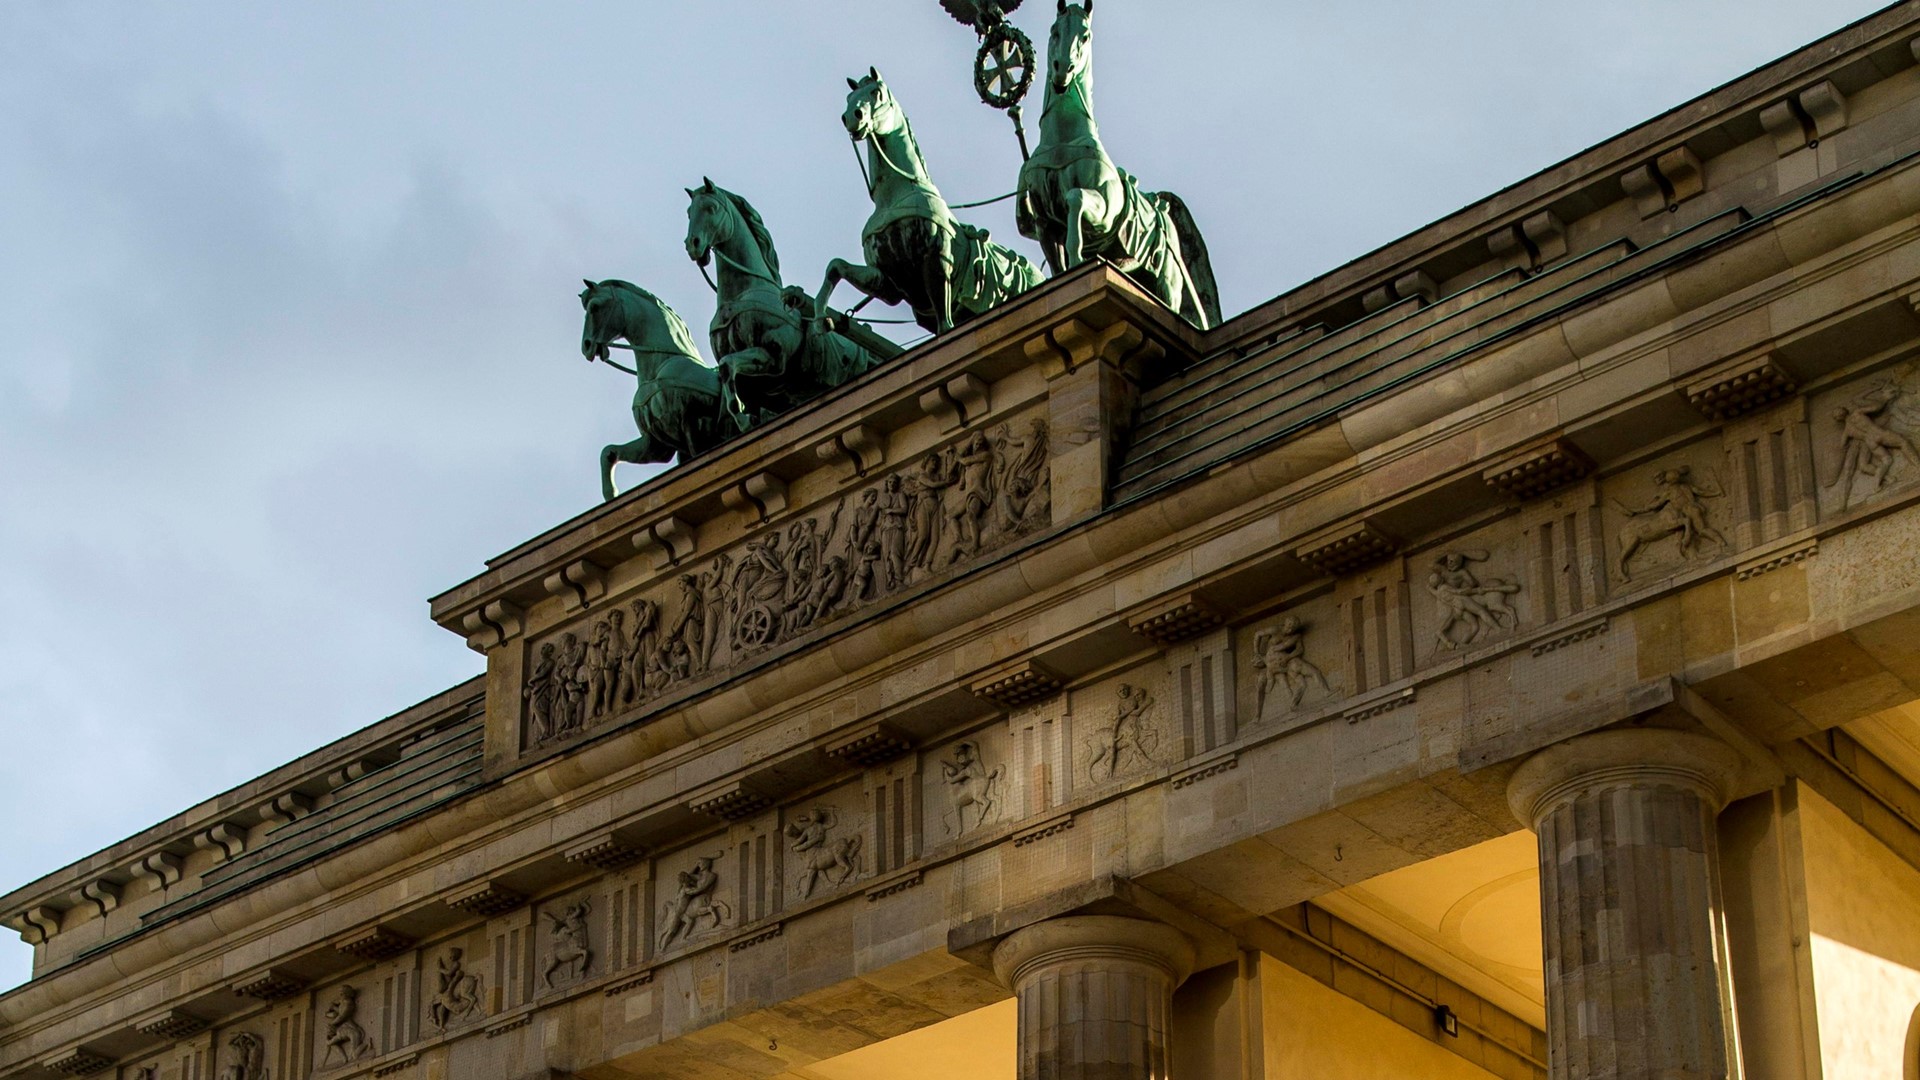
x=1003 y=69
x=757 y=626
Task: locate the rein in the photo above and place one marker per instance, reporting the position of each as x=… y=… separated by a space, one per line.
x=881 y=150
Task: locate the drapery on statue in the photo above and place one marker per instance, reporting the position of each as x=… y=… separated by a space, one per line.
x=916 y=252
x=676 y=404
x=1079 y=205
x=773 y=354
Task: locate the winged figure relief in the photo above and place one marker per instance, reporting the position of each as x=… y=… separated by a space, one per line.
x=982 y=15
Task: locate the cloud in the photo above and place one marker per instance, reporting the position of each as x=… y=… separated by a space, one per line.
x=287 y=293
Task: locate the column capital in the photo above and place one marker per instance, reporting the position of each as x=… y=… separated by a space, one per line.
x=1629 y=757
x=1095 y=938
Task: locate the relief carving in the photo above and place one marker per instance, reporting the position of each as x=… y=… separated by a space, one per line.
x=1870 y=447
x=571 y=951
x=1676 y=509
x=1468 y=602
x=344 y=1037
x=970 y=786
x=955 y=504
x=693 y=901
x=457 y=995
x=250 y=1052
x=1281 y=655
x=1130 y=740
x=835 y=858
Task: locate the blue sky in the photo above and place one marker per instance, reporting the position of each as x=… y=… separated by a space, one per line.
x=287 y=317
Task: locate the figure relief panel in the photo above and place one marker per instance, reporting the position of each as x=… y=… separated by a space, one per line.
x=985 y=488
x=1866 y=438
x=1120 y=727
x=240 y=1054
x=570 y=935
x=699 y=894
x=1467 y=592
x=343 y=1038
x=1290 y=662
x=1666 y=515
x=969 y=785
x=455 y=984
x=828 y=845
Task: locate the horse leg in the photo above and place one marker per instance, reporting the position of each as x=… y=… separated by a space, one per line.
x=937 y=267
x=638 y=452
x=1071 y=253
x=865 y=278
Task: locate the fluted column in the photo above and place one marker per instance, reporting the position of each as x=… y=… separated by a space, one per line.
x=1630 y=902
x=1095 y=996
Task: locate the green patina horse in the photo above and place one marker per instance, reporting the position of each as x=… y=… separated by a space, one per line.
x=677 y=404
x=1079 y=205
x=917 y=252
x=773 y=353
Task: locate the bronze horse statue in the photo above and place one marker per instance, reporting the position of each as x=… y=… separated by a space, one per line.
x=677 y=404
x=917 y=253
x=773 y=354
x=1079 y=205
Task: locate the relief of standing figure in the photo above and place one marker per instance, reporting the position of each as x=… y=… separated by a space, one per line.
x=896 y=504
x=923 y=537
x=541 y=690
x=572 y=678
x=971 y=497
x=646 y=620
x=599 y=697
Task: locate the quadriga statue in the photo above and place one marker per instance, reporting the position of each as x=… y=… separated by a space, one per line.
x=773 y=353
x=676 y=404
x=1079 y=205
x=917 y=253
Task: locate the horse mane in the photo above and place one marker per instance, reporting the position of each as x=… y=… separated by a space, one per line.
x=676 y=326
x=756 y=227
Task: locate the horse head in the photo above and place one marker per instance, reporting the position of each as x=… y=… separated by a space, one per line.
x=604 y=320
x=871 y=108
x=716 y=218
x=618 y=309
x=709 y=224
x=1069 y=45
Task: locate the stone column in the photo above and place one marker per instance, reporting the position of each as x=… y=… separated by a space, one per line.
x=1096 y=996
x=1630 y=902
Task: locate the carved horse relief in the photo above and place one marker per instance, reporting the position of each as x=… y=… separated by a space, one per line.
x=917 y=253
x=677 y=404
x=773 y=354
x=1079 y=205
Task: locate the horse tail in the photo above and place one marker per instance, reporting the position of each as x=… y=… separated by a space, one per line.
x=1193 y=251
